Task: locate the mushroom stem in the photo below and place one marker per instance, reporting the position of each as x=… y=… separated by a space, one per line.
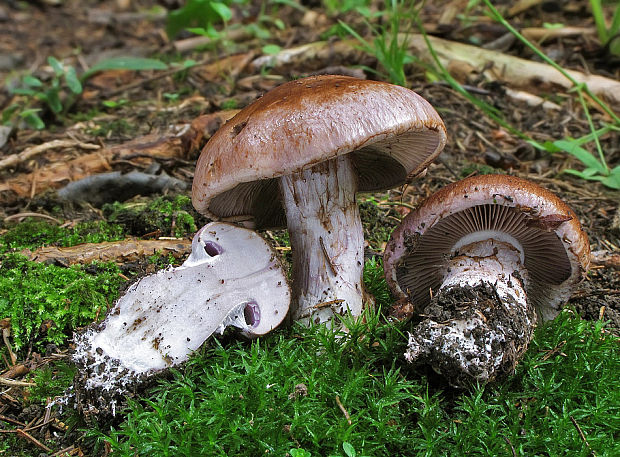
x=479 y=323
x=327 y=240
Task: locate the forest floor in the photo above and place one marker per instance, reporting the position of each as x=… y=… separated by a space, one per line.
x=157 y=119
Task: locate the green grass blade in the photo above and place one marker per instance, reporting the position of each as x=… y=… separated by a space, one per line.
x=125 y=63
x=572 y=148
x=599 y=20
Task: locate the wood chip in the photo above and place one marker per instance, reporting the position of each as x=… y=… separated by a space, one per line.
x=119 y=251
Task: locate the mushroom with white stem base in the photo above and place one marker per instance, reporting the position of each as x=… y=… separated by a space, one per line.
x=297 y=157
x=231 y=278
x=479 y=262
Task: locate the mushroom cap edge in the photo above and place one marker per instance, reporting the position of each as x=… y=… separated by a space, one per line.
x=496 y=189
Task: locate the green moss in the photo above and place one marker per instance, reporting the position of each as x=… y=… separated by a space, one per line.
x=229 y=104
x=51 y=381
x=116 y=127
x=479 y=169
x=34 y=234
x=162 y=261
x=84 y=116
x=46 y=302
x=374 y=283
x=242 y=399
x=168 y=215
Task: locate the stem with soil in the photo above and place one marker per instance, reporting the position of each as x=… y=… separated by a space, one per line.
x=480 y=322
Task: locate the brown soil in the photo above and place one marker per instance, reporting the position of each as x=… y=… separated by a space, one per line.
x=495 y=331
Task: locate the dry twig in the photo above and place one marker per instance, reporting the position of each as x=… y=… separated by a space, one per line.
x=13 y=383
x=126 y=250
x=28 y=153
x=33 y=440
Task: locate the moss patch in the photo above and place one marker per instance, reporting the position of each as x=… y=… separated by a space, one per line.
x=46 y=302
x=34 y=234
x=171 y=216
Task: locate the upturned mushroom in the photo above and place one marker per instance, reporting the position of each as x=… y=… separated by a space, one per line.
x=297 y=157
x=231 y=278
x=479 y=262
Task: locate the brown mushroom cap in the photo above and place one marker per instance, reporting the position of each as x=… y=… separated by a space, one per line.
x=393 y=132
x=556 y=249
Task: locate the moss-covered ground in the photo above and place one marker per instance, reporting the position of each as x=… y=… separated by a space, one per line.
x=309 y=392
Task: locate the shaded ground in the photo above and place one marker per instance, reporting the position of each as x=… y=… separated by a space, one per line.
x=149 y=103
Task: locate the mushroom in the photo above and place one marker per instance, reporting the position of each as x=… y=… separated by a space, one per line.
x=479 y=262
x=231 y=278
x=297 y=157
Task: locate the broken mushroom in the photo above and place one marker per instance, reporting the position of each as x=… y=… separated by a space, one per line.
x=231 y=278
x=479 y=262
x=297 y=156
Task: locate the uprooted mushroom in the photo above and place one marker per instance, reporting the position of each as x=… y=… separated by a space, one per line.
x=478 y=263
x=297 y=157
x=231 y=278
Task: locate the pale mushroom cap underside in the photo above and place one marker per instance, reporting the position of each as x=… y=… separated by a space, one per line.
x=555 y=248
x=392 y=132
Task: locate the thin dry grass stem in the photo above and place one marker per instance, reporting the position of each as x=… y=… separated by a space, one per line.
x=582 y=435
x=512 y=448
x=343 y=409
x=21 y=216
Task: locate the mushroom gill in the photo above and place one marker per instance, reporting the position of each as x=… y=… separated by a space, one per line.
x=421 y=269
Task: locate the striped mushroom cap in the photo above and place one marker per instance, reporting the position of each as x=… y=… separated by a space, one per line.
x=392 y=133
x=555 y=249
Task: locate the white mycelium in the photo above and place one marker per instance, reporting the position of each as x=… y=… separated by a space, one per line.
x=231 y=278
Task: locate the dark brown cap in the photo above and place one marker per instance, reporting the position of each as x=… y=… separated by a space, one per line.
x=392 y=133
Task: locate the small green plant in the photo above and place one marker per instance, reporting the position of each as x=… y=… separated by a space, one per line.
x=271 y=49
x=390 y=51
x=58 y=94
x=608 y=35
x=48 y=93
x=199 y=17
x=171 y=97
x=596 y=169
x=202 y=16
x=115 y=104
x=299 y=453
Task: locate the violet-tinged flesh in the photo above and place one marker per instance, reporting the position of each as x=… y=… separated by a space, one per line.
x=231 y=278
